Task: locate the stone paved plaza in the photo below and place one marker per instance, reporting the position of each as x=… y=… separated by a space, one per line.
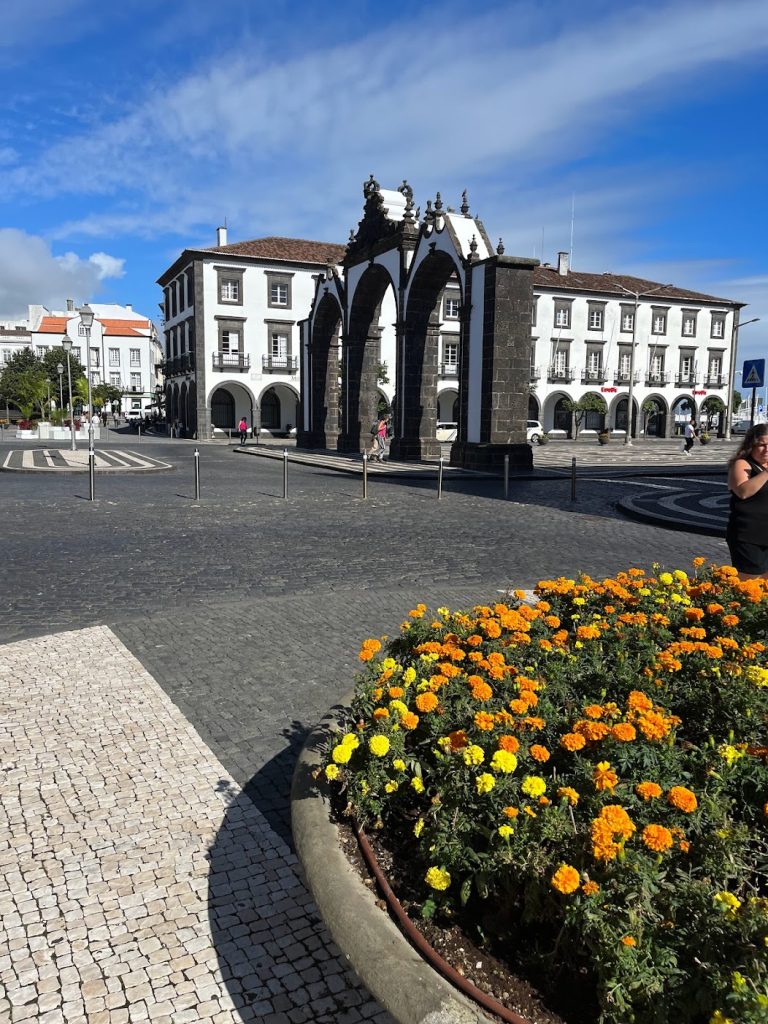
x=163 y=660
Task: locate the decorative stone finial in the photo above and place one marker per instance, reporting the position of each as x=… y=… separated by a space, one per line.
x=370 y=186
x=438 y=203
x=464 y=203
x=473 y=248
x=351 y=234
x=500 y=248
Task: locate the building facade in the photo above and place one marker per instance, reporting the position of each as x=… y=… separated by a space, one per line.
x=230 y=331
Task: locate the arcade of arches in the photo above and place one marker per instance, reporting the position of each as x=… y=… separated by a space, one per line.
x=274 y=410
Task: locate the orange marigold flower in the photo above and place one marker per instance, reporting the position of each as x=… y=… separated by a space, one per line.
x=511 y=812
x=474 y=640
x=648 y=790
x=534 y=723
x=590 y=888
x=381 y=713
x=545 y=645
x=539 y=753
x=685 y=846
x=604 y=776
x=714 y=608
x=657 y=838
x=694 y=614
x=560 y=637
x=683 y=799
x=447 y=669
x=458 y=739
x=592 y=731
x=378 y=693
x=552 y=621
x=638 y=701
x=653 y=725
x=572 y=741
x=623 y=732
x=426 y=701
x=509 y=743
x=731 y=620
x=418 y=611
x=698 y=561
x=475 y=656
x=484 y=721
x=629 y=940
x=588 y=632
x=603 y=845
x=396 y=692
x=568 y=793
x=620 y=822
x=565 y=879
x=594 y=711
x=409 y=721
x=518 y=706
x=481 y=690
x=436 y=681
x=492 y=629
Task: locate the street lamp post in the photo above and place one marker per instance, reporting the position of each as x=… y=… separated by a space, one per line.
x=732 y=373
x=60 y=371
x=86 y=319
x=630 y=404
x=66 y=344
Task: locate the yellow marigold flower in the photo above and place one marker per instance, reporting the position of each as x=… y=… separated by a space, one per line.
x=398 y=764
x=426 y=702
x=341 y=753
x=539 y=753
x=417 y=784
x=409 y=675
x=572 y=741
x=566 y=792
x=565 y=879
x=728 y=900
x=503 y=761
x=398 y=706
x=332 y=772
x=729 y=753
x=648 y=790
x=418 y=828
x=378 y=745
x=718 y=1017
x=505 y=831
x=437 y=878
x=657 y=838
x=604 y=776
x=484 y=721
x=757 y=675
x=530 y=812
x=666 y=578
x=629 y=940
x=390 y=787
x=409 y=720
x=623 y=732
x=590 y=888
x=510 y=812
x=473 y=754
x=533 y=786
x=349 y=739
x=683 y=799
x=484 y=783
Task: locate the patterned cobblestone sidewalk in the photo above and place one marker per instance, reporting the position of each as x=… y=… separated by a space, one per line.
x=137 y=882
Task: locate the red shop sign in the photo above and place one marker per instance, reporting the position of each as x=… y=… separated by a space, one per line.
x=699 y=392
x=611 y=390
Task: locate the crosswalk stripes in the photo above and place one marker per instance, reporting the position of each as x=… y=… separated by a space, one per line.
x=66 y=460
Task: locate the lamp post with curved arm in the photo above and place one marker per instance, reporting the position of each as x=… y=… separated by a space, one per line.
x=86 y=319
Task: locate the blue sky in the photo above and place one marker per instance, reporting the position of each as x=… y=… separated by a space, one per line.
x=127 y=134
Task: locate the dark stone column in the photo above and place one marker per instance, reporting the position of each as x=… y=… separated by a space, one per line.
x=419 y=393
x=201 y=367
x=359 y=393
x=324 y=426
x=507 y=300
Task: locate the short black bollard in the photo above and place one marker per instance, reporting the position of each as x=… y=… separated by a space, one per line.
x=197 y=475
x=92 y=472
x=365 y=475
x=285 y=473
x=573 y=478
x=506 y=476
x=440 y=479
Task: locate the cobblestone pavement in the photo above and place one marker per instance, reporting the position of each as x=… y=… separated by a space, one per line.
x=248 y=611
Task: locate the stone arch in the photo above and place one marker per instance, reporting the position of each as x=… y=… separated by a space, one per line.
x=534 y=412
x=593 y=420
x=619 y=418
x=683 y=407
x=655 y=420
x=184 y=408
x=175 y=403
x=448 y=405
x=360 y=357
x=278 y=408
x=321 y=419
x=192 y=408
x=229 y=401
x=552 y=412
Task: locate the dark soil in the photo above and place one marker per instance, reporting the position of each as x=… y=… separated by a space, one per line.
x=460 y=943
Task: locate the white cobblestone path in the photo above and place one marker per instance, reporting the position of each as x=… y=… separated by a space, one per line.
x=135 y=880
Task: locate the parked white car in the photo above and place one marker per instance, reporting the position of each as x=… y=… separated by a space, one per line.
x=446 y=431
x=534 y=432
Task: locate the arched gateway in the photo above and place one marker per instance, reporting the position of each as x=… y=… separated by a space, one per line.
x=394 y=255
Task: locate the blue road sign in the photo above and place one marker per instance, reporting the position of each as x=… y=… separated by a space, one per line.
x=753 y=373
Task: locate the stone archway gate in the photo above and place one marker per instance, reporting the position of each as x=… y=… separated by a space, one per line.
x=394 y=248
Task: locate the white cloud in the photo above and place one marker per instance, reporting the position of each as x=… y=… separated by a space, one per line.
x=31 y=274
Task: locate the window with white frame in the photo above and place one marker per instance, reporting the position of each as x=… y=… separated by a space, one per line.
x=114 y=380
x=229 y=284
x=136 y=381
x=596 y=316
x=77 y=352
x=625 y=362
x=451 y=354
x=278 y=344
x=229 y=290
x=658 y=321
x=560 y=361
x=134 y=355
x=687 y=366
x=82 y=330
x=42 y=349
x=534 y=310
x=715 y=364
x=718 y=325
x=627 y=319
x=229 y=341
x=6 y=355
x=689 y=323
x=278 y=293
x=279 y=290
x=451 y=307
x=594 y=363
x=95 y=357
x=114 y=357
x=656 y=366
x=562 y=313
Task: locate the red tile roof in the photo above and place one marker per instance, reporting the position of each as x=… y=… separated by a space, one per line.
x=288 y=250
x=548 y=277
x=53 y=324
x=126 y=328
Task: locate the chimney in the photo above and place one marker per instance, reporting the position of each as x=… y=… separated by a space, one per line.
x=221 y=236
x=70 y=305
x=129 y=306
x=562 y=263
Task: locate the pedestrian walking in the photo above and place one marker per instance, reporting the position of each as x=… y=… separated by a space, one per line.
x=175 y=429
x=242 y=428
x=747 y=531
x=378 y=447
x=691 y=433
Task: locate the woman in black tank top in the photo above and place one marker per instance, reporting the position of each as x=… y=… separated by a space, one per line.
x=747 y=533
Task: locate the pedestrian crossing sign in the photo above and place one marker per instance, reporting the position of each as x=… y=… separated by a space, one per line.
x=753 y=374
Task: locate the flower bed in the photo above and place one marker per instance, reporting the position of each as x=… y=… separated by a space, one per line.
x=589 y=769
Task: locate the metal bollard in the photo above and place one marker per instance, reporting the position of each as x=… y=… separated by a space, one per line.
x=197 y=475
x=285 y=473
x=506 y=476
x=92 y=471
x=573 y=478
x=139 y=429
x=440 y=479
x=365 y=475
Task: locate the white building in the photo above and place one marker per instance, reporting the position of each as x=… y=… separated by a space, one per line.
x=230 y=333
x=124 y=347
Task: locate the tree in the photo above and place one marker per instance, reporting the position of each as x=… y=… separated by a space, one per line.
x=736 y=403
x=712 y=408
x=18 y=364
x=106 y=395
x=649 y=409
x=50 y=362
x=588 y=403
x=30 y=390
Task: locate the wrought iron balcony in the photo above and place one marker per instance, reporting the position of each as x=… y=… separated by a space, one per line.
x=686 y=380
x=716 y=380
x=590 y=376
x=280 y=364
x=449 y=369
x=534 y=373
x=657 y=380
x=237 y=362
x=622 y=377
x=560 y=373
